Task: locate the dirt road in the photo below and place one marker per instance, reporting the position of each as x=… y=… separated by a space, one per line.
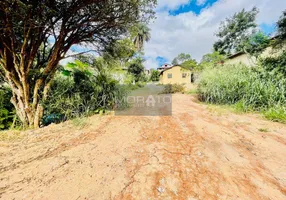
x=193 y=154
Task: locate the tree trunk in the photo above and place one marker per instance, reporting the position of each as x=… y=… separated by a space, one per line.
x=30 y=113
x=29 y=117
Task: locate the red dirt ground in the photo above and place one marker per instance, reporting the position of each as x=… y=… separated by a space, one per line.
x=193 y=154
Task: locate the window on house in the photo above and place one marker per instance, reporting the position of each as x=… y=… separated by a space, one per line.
x=169 y=75
x=184 y=75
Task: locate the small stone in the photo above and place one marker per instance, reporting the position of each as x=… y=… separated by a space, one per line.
x=161 y=189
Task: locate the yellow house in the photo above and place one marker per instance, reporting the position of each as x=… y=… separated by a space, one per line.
x=240 y=58
x=243 y=58
x=176 y=74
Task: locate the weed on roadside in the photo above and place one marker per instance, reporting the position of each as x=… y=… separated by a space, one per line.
x=80 y=122
x=264 y=130
x=10 y=136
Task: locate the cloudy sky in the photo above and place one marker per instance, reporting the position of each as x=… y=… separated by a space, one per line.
x=188 y=26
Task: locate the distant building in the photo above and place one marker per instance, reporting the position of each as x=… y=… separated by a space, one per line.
x=246 y=59
x=164 y=66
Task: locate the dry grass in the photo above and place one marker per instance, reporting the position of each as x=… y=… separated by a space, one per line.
x=11 y=136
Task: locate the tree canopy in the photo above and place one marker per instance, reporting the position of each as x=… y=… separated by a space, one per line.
x=256 y=44
x=136 y=68
x=36 y=35
x=185 y=60
x=234 y=31
x=142 y=34
x=212 y=59
x=182 y=57
x=281 y=26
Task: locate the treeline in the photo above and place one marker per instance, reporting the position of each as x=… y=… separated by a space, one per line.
x=35 y=89
x=261 y=87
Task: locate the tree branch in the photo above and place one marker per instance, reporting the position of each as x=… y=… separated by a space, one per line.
x=69 y=56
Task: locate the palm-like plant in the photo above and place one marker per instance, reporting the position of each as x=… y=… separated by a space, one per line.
x=142 y=35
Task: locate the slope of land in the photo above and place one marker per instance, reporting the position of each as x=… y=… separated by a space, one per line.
x=193 y=154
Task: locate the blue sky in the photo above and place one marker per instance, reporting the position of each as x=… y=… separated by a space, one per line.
x=192 y=6
x=188 y=26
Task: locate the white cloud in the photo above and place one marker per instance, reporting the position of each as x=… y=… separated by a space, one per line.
x=171 y=4
x=194 y=34
x=201 y=2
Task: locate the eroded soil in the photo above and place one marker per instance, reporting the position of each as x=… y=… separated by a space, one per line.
x=193 y=154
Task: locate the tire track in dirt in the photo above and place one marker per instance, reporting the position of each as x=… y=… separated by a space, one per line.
x=193 y=154
x=200 y=177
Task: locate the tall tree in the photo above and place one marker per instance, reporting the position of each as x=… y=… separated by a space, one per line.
x=281 y=26
x=182 y=57
x=212 y=59
x=27 y=62
x=155 y=75
x=136 y=68
x=234 y=31
x=185 y=60
x=142 y=32
x=256 y=44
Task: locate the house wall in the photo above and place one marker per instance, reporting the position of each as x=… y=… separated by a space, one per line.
x=251 y=61
x=177 y=73
x=241 y=59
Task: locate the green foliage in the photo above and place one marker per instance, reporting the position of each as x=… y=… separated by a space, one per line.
x=276 y=64
x=7 y=112
x=32 y=62
x=155 y=75
x=277 y=114
x=186 y=61
x=182 y=57
x=234 y=31
x=256 y=44
x=211 y=60
x=119 y=51
x=190 y=64
x=173 y=88
x=81 y=94
x=281 y=27
x=141 y=35
x=140 y=84
x=247 y=88
x=136 y=68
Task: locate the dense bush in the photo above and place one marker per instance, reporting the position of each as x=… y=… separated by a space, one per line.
x=7 y=112
x=275 y=64
x=82 y=94
x=173 y=88
x=248 y=88
x=155 y=75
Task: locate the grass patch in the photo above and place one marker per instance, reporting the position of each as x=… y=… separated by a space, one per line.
x=264 y=130
x=173 y=88
x=192 y=91
x=223 y=109
x=276 y=114
x=80 y=122
x=245 y=89
x=10 y=136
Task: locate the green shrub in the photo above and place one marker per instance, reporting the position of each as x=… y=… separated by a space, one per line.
x=248 y=88
x=140 y=84
x=277 y=114
x=7 y=112
x=155 y=75
x=173 y=88
x=275 y=64
x=82 y=95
